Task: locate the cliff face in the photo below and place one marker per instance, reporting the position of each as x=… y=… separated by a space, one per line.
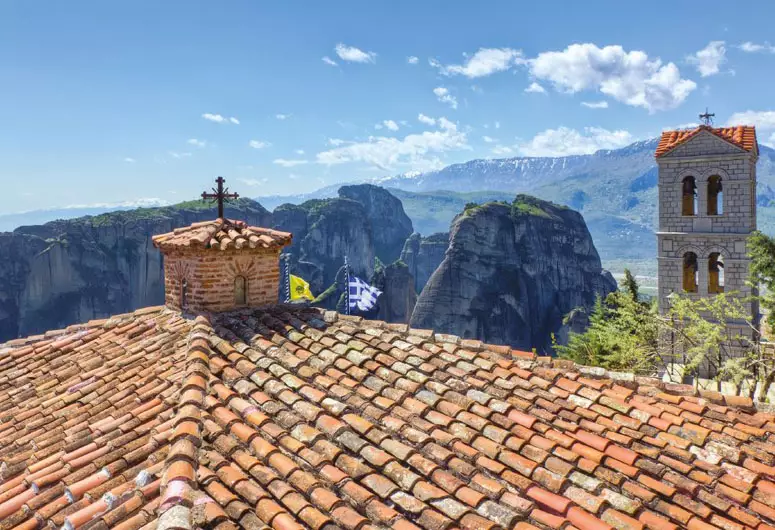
x=335 y=228
x=511 y=273
x=71 y=271
x=390 y=224
x=398 y=295
x=364 y=222
x=422 y=255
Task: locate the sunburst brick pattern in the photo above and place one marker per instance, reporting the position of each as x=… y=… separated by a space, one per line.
x=292 y=418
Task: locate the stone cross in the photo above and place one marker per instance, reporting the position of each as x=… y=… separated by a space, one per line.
x=220 y=194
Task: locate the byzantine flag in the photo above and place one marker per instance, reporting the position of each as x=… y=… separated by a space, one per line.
x=300 y=289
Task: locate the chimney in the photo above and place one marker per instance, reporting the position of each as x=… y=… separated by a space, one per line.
x=221 y=265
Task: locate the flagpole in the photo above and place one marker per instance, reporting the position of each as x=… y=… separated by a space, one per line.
x=287 y=279
x=346 y=285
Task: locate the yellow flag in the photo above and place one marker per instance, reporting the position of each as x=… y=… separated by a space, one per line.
x=300 y=289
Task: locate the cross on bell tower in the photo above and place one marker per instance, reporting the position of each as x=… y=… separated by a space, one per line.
x=220 y=194
x=707 y=118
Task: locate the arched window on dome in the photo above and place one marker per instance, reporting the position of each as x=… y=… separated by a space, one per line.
x=240 y=290
x=715 y=196
x=690 y=272
x=715 y=273
x=689 y=196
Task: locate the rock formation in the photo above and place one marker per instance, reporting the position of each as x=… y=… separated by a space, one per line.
x=398 y=297
x=64 y=272
x=422 y=255
x=390 y=224
x=363 y=223
x=324 y=232
x=511 y=273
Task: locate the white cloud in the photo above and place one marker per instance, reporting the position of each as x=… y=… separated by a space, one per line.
x=484 y=62
x=763 y=119
x=282 y=117
x=535 y=88
x=709 y=59
x=354 y=55
x=595 y=104
x=771 y=141
x=336 y=142
x=386 y=152
x=500 y=150
x=299 y=151
x=175 y=154
x=253 y=182
x=497 y=125
x=489 y=139
x=218 y=118
x=289 y=163
x=750 y=47
x=143 y=202
x=388 y=124
x=329 y=61
x=412 y=59
x=629 y=77
x=130 y=160
x=564 y=141
x=258 y=144
x=427 y=120
x=688 y=125
x=444 y=96
x=196 y=143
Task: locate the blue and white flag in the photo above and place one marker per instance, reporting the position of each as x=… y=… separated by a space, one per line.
x=362 y=295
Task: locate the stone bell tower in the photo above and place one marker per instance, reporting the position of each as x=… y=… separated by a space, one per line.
x=707 y=210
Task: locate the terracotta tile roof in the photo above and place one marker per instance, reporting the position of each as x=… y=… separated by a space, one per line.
x=297 y=418
x=743 y=136
x=222 y=234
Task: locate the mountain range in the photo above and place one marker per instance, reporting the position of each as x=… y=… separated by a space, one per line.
x=615 y=190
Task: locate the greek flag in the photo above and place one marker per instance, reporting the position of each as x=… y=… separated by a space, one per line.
x=362 y=295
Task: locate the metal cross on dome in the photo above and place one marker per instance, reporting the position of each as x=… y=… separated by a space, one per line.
x=707 y=118
x=220 y=194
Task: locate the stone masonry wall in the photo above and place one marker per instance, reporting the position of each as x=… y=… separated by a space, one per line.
x=738 y=198
x=211 y=276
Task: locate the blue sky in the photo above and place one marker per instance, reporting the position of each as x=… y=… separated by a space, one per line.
x=108 y=102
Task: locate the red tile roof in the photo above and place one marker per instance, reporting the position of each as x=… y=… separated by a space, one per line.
x=743 y=136
x=297 y=418
x=222 y=234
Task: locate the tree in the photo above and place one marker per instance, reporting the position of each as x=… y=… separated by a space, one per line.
x=761 y=250
x=622 y=333
x=699 y=331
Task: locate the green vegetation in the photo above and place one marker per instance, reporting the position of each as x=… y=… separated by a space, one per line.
x=529 y=205
x=432 y=212
x=622 y=333
x=762 y=254
x=322 y=297
x=625 y=330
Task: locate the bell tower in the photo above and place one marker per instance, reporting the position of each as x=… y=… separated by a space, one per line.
x=707 y=210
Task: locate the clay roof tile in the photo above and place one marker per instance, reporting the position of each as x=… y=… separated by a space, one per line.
x=293 y=418
x=742 y=136
x=222 y=234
